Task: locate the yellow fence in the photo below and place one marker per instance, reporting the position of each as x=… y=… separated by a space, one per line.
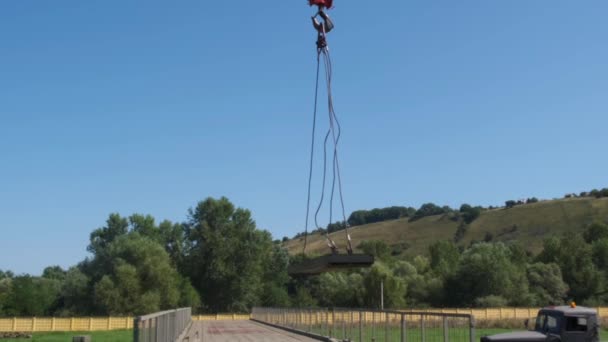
x=503 y=313
x=65 y=324
x=88 y=323
x=115 y=323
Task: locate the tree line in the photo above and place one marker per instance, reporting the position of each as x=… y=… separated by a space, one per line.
x=485 y=274
x=218 y=260
x=468 y=213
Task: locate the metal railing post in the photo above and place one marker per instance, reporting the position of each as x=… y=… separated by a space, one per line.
x=373 y=325
x=386 y=327
x=360 y=326
x=403 y=332
x=333 y=322
x=136 y=329
x=343 y=326
x=422 y=328
x=446 y=331
x=352 y=322
x=471 y=328
x=310 y=322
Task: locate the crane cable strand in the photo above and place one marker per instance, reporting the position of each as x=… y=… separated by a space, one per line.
x=336 y=137
x=312 y=153
x=335 y=130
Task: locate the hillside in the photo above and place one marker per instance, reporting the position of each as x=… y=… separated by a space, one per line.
x=529 y=224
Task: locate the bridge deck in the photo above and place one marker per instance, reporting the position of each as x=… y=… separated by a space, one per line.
x=239 y=331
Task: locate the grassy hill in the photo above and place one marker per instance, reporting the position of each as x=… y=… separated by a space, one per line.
x=529 y=224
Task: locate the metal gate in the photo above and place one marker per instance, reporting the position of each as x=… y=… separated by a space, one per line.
x=372 y=325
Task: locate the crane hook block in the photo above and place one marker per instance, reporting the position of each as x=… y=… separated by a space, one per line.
x=321 y=3
x=325 y=26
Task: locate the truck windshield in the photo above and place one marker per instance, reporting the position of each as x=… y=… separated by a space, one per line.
x=547 y=323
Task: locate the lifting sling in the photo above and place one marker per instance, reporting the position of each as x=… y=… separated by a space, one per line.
x=334 y=261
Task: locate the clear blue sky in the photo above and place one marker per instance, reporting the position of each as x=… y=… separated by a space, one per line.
x=150 y=106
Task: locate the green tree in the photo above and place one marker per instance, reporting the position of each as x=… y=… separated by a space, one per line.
x=54 y=272
x=599 y=250
x=444 y=257
x=303 y=298
x=100 y=238
x=31 y=296
x=546 y=284
x=394 y=288
x=141 y=278
x=5 y=289
x=575 y=259
x=275 y=278
x=75 y=293
x=484 y=270
x=226 y=255
x=469 y=213
x=491 y=301
x=377 y=248
x=596 y=231
x=429 y=209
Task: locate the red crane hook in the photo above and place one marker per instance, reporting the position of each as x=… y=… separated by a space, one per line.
x=321 y=3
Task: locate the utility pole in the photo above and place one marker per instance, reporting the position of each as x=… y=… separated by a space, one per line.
x=381 y=294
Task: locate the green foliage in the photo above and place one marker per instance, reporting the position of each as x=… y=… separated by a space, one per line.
x=138 y=266
x=54 y=272
x=75 y=293
x=227 y=255
x=337 y=226
x=429 y=209
x=575 y=259
x=141 y=278
x=303 y=298
x=546 y=284
x=361 y=217
x=469 y=213
x=596 y=231
x=394 y=288
x=29 y=296
x=6 y=274
x=377 y=248
x=101 y=237
x=339 y=289
x=484 y=270
x=491 y=301
x=460 y=232
x=445 y=256
x=599 y=250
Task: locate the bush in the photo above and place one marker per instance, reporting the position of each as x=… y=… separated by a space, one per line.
x=460 y=231
x=491 y=301
x=429 y=209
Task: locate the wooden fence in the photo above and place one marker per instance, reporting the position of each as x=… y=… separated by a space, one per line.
x=65 y=324
x=27 y=324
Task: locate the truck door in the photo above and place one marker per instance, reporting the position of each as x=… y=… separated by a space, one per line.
x=580 y=329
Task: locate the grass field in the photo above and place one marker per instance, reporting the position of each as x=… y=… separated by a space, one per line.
x=528 y=224
x=97 y=336
x=431 y=335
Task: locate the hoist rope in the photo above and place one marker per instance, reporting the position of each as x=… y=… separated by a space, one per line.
x=312 y=153
x=335 y=131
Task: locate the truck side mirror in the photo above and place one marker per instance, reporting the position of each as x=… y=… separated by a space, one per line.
x=526 y=323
